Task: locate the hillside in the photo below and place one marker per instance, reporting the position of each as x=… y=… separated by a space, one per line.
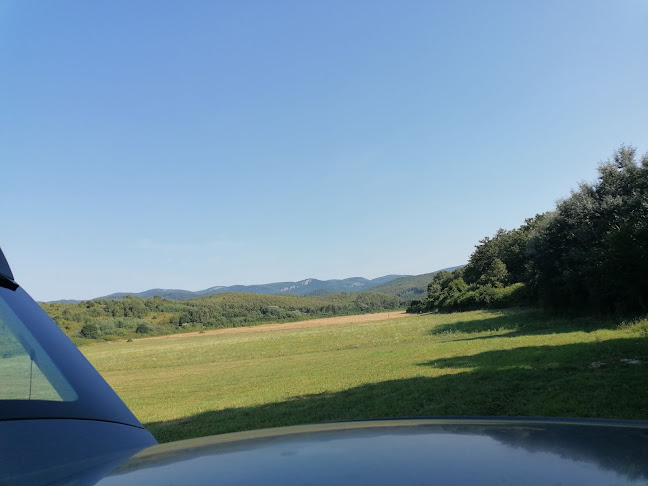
x=410 y=287
x=309 y=286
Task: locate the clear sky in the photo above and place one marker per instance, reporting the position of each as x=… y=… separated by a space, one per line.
x=189 y=144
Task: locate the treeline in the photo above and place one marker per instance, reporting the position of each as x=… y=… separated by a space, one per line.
x=588 y=255
x=135 y=317
x=406 y=288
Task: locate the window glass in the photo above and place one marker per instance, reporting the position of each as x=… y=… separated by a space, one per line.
x=26 y=372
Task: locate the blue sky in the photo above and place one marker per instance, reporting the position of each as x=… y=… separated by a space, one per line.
x=190 y=144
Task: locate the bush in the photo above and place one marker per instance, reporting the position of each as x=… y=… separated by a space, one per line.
x=457 y=296
x=90 y=331
x=416 y=307
x=142 y=328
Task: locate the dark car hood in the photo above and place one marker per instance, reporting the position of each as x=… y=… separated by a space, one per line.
x=412 y=451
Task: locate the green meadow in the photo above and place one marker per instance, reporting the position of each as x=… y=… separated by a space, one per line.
x=508 y=363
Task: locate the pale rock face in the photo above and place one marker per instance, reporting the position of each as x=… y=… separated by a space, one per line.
x=288 y=289
x=293 y=287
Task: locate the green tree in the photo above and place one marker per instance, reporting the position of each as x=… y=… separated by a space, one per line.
x=142 y=328
x=495 y=274
x=592 y=254
x=90 y=331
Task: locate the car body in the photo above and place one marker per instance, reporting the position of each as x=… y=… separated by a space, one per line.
x=464 y=451
x=61 y=423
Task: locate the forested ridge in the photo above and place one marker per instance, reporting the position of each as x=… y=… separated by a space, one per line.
x=135 y=317
x=309 y=286
x=588 y=255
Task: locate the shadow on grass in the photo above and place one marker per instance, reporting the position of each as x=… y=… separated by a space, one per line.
x=522 y=322
x=575 y=380
x=589 y=380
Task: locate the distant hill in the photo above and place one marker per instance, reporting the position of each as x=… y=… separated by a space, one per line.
x=172 y=294
x=406 y=287
x=409 y=287
x=309 y=286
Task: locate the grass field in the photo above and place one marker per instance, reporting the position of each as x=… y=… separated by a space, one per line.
x=474 y=363
x=322 y=322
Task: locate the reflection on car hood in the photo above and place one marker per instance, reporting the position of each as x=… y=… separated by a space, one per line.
x=430 y=451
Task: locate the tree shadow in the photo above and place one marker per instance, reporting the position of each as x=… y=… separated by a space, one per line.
x=577 y=357
x=589 y=380
x=522 y=322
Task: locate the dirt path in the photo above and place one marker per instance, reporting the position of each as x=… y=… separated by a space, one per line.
x=324 y=322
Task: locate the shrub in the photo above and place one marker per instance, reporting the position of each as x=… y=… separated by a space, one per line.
x=90 y=331
x=416 y=307
x=142 y=328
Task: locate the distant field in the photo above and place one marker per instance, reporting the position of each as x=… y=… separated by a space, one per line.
x=324 y=322
x=472 y=363
x=131 y=318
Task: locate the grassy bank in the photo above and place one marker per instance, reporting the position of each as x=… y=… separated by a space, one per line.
x=472 y=363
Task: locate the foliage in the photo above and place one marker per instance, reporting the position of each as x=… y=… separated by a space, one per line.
x=132 y=316
x=90 y=331
x=142 y=328
x=449 y=292
x=502 y=259
x=593 y=252
x=408 y=287
x=589 y=255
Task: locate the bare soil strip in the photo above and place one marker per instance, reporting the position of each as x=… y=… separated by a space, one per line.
x=324 y=322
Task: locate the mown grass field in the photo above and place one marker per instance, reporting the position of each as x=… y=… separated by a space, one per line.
x=512 y=363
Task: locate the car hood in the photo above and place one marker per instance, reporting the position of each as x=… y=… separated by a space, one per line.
x=411 y=451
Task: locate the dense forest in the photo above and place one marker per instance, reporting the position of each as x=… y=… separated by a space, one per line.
x=588 y=255
x=136 y=317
